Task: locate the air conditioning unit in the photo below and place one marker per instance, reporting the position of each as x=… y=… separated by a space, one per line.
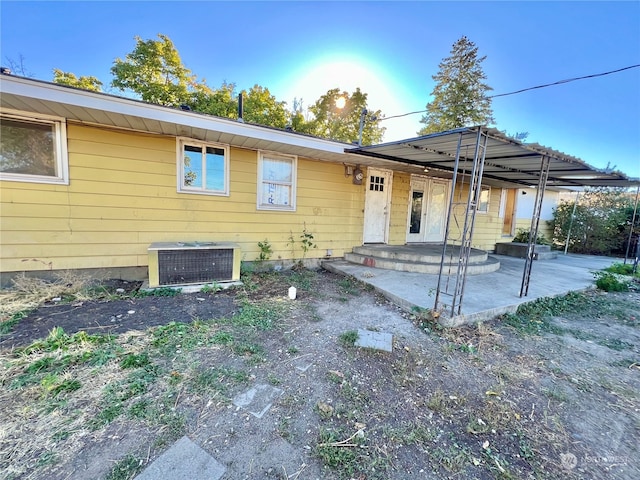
x=184 y=263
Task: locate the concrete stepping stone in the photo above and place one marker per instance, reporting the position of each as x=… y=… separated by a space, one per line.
x=258 y=399
x=183 y=460
x=376 y=340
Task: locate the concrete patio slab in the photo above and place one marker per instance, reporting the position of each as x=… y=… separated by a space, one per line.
x=183 y=460
x=485 y=296
x=258 y=399
x=376 y=340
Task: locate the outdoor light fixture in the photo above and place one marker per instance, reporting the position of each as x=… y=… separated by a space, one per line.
x=357 y=176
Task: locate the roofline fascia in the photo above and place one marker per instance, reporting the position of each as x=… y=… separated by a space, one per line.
x=66 y=95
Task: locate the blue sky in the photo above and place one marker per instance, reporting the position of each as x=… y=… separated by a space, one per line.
x=388 y=49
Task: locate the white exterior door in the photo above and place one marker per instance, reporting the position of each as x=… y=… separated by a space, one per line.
x=376 y=206
x=427 y=210
x=437 y=211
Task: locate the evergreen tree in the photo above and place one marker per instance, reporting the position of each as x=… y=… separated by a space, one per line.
x=460 y=95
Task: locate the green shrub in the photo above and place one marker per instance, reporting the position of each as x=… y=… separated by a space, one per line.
x=622 y=269
x=265 y=250
x=522 y=236
x=610 y=282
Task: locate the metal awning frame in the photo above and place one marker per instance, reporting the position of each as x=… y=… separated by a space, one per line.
x=508 y=162
x=503 y=162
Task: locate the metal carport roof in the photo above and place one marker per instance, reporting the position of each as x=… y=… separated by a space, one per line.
x=508 y=162
x=477 y=155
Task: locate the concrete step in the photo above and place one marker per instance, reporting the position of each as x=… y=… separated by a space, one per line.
x=519 y=250
x=417 y=254
x=433 y=267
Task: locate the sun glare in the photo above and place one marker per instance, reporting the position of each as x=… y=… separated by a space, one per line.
x=383 y=93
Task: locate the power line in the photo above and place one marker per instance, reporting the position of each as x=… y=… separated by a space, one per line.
x=559 y=82
x=565 y=81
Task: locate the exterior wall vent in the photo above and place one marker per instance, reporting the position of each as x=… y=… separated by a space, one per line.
x=184 y=263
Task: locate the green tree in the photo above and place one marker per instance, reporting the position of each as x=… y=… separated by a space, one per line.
x=343 y=124
x=297 y=119
x=460 y=95
x=221 y=102
x=259 y=106
x=154 y=71
x=84 y=82
x=600 y=224
x=262 y=108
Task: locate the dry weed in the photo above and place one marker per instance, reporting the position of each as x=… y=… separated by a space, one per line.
x=30 y=292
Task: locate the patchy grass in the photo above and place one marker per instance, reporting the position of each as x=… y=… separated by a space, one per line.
x=495 y=400
x=350 y=286
x=349 y=338
x=158 y=292
x=344 y=452
x=261 y=315
x=302 y=279
x=179 y=337
x=125 y=469
x=534 y=318
x=216 y=379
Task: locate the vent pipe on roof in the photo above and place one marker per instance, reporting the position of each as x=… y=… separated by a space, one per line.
x=240 y=108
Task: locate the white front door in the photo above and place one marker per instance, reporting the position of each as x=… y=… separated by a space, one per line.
x=376 y=206
x=437 y=211
x=427 y=209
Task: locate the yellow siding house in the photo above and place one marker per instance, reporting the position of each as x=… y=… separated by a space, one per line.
x=90 y=181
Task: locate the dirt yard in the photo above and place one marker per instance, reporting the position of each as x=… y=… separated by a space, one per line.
x=552 y=392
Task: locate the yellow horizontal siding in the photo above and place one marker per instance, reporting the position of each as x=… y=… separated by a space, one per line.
x=122 y=197
x=543 y=227
x=401 y=188
x=487 y=227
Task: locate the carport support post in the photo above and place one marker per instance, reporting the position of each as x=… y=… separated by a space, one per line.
x=475 y=188
x=447 y=225
x=573 y=216
x=535 y=221
x=633 y=224
x=475 y=184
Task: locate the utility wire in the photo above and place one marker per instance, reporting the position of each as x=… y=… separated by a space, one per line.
x=565 y=81
x=559 y=82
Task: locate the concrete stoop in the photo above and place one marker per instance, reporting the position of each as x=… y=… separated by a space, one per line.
x=519 y=250
x=411 y=258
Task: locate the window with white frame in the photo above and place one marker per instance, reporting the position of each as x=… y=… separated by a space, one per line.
x=203 y=167
x=483 y=203
x=276 y=182
x=33 y=148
